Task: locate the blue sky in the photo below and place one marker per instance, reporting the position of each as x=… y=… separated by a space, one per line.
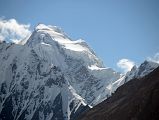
x=115 y=29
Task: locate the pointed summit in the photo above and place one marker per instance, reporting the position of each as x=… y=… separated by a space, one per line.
x=47 y=34
x=41 y=27
x=44 y=27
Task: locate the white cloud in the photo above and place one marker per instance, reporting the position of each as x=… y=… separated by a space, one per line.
x=155 y=58
x=12 y=31
x=125 y=64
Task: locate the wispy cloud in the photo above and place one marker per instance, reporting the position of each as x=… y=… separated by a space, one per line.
x=155 y=58
x=12 y=31
x=125 y=64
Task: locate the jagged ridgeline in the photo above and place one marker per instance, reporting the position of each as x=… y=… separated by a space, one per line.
x=51 y=77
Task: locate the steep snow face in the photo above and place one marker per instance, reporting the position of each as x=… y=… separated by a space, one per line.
x=32 y=88
x=84 y=70
x=51 y=77
x=54 y=37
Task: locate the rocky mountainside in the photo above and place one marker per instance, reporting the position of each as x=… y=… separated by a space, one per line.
x=137 y=99
x=51 y=77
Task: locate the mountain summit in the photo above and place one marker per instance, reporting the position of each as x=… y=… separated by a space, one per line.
x=51 y=77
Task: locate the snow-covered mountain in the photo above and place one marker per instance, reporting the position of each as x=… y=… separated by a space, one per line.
x=144 y=69
x=51 y=77
x=31 y=91
x=136 y=72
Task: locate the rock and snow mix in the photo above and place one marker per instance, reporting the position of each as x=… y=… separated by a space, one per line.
x=53 y=77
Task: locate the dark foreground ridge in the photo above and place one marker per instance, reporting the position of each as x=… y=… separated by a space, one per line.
x=138 y=99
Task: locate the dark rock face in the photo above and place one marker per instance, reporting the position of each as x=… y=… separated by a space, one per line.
x=5 y=114
x=138 y=99
x=55 y=108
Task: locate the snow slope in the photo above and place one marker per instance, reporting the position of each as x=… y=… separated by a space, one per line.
x=31 y=89
x=50 y=77
x=85 y=71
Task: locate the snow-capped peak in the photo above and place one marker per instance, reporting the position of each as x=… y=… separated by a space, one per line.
x=54 y=37
x=49 y=27
x=146 y=67
x=58 y=72
x=42 y=26
x=47 y=34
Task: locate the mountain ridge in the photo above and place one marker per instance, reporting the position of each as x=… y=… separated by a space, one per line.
x=49 y=73
x=135 y=100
